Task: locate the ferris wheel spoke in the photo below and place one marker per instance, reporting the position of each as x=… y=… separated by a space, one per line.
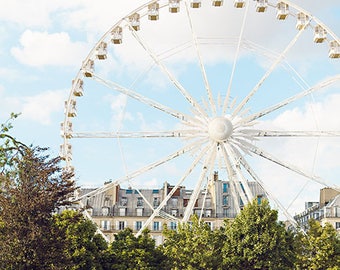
x=156 y=211
x=141 y=98
x=317 y=179
x=170 y=76
x=190 y=147
x=267 y=74
x=236 y=57
x=235 y=185
x=204 y=74
x=234 y=160
x=320 y=86
x=141 y=134
x=258 y=180
x=294 y=133
x=207 y=166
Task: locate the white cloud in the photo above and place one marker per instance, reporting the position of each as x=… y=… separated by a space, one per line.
x=43 y=49
x=33 y=13
x=38 y=108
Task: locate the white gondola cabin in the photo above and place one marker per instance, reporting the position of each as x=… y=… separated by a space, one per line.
x=239 y=3
x=282 y=11
x=116 y=35
x=66 y=130
x=334 y=49
x=302 y=21
x=135 y=21
x=174 y=6
x=195 y=3
x=66 y=151
x=102 y=50
x=320 y=34
x=153 y=11
x=217 y=3
x=78 y=89
x=88 y=68
x=261 y=5
x=71 y=108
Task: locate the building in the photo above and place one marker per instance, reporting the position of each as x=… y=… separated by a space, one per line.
x=118 y=208
x=327 y=209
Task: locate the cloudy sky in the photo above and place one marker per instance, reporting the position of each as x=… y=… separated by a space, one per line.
x=43 y=45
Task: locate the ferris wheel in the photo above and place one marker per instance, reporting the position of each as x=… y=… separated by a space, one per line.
x=177 y=90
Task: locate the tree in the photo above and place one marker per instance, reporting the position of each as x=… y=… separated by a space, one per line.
x=193 y=246
x=84 y=248
x=319 y=248
x=130 y=252
x=32 y=186
x=255 y=240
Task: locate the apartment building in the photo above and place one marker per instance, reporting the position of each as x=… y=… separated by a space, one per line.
x=327 y=209
x=118 y=208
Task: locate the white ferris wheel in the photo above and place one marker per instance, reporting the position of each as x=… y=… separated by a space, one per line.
x=177 y=90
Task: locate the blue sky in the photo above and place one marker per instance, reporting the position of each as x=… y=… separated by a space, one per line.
x=43 y=44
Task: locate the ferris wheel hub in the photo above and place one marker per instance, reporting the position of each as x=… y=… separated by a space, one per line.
x=220 y=128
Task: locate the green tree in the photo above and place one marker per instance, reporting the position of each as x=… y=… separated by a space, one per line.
x=84 y=248
x=130 y=252
x=256 y=240
x=319 y=248
x=32 y=186
x=193 y=246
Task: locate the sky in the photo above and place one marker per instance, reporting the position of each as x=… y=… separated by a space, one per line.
x=44 y=43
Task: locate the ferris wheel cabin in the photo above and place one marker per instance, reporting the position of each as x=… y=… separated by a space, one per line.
x=153 y=12
x=102 y=51
x=282 y=11
x=320 y=34
x=217 y=3
x=135 y=21
x=261 y=5
x=195 y=3
x=239 y=3
x=334 y=49
x=78 y=89
x=174 y=6
x=302 y=21
x=116 y=35
x=88 y=68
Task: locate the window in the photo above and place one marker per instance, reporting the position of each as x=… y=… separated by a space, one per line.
x=122 y=212
x=185 y=202
x=225 y=187
x=259 y=199
x=173 y=225
x=128 y=191
x=105 y=211
x=139 y=212
x=173 y=202
x=123 y=201
x=156 y=226
x=156 y=201
x=140 y=202
x=155 y=191
x=225 y=200
x=225 y=212
x=208 y=213
x=121 y=225
x=337 y=225
x=138 y=225
x=105 y=224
